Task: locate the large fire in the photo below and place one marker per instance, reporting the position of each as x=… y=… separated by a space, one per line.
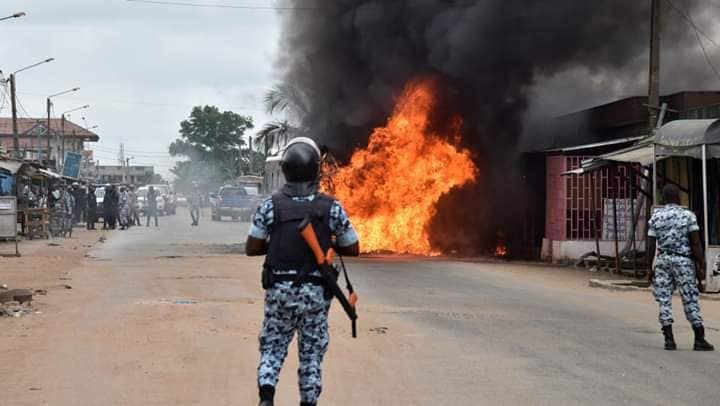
x=391 y=188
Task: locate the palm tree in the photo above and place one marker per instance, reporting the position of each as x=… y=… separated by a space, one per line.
x=287 y=99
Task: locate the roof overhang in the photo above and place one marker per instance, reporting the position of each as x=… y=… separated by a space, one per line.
x=11 y=166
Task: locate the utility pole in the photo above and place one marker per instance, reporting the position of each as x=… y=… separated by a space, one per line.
x=62 y=151
x=49 y=107
x=13 y=102
x=654 y=82
x=654 y=78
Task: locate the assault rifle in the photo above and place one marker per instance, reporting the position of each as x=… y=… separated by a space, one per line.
x=325 y=262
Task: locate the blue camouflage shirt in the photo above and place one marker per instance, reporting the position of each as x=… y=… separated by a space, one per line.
x=670 y=226
x=340 y=225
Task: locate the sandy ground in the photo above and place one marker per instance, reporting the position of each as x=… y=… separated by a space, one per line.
x=170 y=317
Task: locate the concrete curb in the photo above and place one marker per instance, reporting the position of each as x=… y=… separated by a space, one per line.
x=626 y=285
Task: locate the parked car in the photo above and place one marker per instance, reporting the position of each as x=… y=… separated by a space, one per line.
x=234 y=202
x=181 y=200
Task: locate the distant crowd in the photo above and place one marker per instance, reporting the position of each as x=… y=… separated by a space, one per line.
x=71 y=205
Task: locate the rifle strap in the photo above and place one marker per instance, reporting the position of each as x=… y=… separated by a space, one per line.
x=347 y=279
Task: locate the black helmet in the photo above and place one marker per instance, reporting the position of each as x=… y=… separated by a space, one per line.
x=301 y=160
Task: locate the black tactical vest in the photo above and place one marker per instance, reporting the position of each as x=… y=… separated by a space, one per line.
x=287 y=250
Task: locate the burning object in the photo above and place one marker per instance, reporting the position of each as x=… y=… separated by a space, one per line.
x=391 y=188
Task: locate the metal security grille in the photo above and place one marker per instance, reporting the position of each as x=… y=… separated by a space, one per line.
x=583 y=219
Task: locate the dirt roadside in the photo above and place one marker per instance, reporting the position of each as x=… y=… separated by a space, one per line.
x=170 y=330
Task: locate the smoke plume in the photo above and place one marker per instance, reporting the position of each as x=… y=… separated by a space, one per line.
x=492 y=57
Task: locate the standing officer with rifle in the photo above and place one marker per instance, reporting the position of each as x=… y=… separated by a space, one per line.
x=299 y=288
x=676 y=248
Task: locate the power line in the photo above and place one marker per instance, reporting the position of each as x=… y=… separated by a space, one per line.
x=699 y=40
x=146 y=103
x=686 y=15
x=211 y=5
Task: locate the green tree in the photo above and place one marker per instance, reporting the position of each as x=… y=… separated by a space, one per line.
x=213 y=143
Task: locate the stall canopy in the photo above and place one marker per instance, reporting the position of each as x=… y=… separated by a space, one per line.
x=686 y=138
x=677 y=138
x=11 y=166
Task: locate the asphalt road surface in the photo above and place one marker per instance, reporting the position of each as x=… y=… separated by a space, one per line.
x=170 y=315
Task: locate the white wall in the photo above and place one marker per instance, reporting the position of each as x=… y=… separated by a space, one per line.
x=558 y=251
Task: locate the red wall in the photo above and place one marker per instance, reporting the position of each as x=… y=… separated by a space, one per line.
x=556 y=202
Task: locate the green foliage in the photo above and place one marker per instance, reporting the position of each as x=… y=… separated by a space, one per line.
x=213 y=143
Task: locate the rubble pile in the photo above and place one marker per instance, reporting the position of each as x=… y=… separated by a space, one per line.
x=15 y=302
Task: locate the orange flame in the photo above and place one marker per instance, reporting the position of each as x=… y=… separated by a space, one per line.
x=501 y=250
x=391 y=188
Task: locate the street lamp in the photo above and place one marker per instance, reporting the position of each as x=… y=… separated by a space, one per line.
x=13 y=102
x=49 y=107
x=62 y=126
x=16 y=15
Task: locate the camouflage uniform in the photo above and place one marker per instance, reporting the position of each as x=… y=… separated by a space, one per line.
x=68 y=202
x=57 y=215
x=674 y=265
x=303 y=309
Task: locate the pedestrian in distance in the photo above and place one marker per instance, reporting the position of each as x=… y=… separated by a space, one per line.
x=134 y=207
x=151 y=205
x=679 y=262
x=195 y=201
x=76 y=193
x=57 y=211
x=107 y=207
x=114 y=206
x=124 y=207
x=68 y=202
x=91 y=215
x=296 y=297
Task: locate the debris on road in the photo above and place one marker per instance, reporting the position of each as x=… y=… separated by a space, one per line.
x=15 y=295
x=15 y=302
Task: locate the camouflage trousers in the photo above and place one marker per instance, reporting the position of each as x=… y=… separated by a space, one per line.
x=289 y=309
x=676 y=272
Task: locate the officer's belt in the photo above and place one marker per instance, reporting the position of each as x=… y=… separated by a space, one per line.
x=298 y=279
x=663 y=252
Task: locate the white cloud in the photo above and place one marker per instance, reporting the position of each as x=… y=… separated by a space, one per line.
x=140 y=66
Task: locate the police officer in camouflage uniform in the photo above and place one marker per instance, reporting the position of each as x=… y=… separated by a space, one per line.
x=679 y=263
x=296 y=299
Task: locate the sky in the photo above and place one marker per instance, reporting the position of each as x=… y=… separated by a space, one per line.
x=141 y=67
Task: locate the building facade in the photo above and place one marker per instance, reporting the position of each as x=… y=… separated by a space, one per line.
x=33 y=133
x=133 y=174
x=587 y=212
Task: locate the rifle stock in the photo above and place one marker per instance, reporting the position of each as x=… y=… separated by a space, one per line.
x=308 y=233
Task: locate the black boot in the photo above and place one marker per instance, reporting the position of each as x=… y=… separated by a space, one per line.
x=267 y=394
x=669 y=339
x=700 y=343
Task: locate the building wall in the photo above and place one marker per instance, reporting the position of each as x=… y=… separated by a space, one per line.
x=30 y=146
x=555 y=210
x=135 y=175
x=574 y=207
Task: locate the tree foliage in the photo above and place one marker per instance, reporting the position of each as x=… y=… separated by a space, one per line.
x=214 y=145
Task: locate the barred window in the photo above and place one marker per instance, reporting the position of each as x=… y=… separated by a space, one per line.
x=583 y=215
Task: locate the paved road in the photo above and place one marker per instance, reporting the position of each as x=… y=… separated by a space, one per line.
x=169 y=316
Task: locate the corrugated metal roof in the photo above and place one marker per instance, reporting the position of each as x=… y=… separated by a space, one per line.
x=27 y=125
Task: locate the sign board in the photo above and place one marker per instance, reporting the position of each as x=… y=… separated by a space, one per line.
x=88 y=154
x=72 y=165
x=8 y=220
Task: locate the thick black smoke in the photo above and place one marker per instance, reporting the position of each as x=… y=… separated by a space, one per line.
x=351 y=58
